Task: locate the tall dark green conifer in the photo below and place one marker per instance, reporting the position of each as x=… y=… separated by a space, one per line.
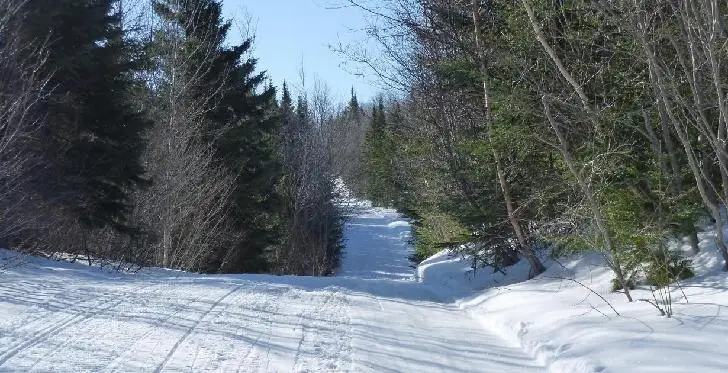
x=240 y=120
x=93 y=141
x=354 y=109
x=379 y=163
x=290 y=139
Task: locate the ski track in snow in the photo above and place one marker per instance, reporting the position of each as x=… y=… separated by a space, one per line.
x=372 y=317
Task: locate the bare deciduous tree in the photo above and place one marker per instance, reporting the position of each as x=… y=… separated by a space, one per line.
x=686 y=79
x=313 y=221
x=23 y=86
x=187 y=207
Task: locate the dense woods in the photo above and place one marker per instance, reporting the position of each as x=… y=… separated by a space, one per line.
x=521 y=185
x=522 y=127
x=134 y=132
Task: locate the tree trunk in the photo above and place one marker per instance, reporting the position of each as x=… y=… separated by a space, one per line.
x=166 y=247
x=594 y=206
x=524 y=246
x=693 y=240
x=592 y=117
x=660 y=88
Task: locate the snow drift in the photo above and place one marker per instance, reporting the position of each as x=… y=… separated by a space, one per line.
x=558 y=319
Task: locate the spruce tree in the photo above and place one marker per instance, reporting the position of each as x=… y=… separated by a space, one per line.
x=92 y=141
x=378 y=159
x=240 y=121
x=347 y=140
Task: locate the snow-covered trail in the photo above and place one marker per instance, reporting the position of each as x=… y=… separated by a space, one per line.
x=373 y=317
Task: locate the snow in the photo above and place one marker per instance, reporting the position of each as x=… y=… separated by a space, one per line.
x=567 y=328
x=453 y=277
x=377 y=245
x=374 y=316
x=379 y=314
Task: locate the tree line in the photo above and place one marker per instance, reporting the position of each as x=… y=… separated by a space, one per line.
x=134 y=132
x=519 y=126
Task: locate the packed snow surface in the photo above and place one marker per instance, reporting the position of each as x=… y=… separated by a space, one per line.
x=373 y=317
x=379 y=314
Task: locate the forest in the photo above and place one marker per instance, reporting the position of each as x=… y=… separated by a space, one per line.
x=133 y=132
x=524 y=127
x=519 y=186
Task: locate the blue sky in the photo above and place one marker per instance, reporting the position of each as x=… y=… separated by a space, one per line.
x=292 y=33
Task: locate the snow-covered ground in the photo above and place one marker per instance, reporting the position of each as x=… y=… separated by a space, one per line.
x=570 y=329
x=377 y=315
x=373 y=317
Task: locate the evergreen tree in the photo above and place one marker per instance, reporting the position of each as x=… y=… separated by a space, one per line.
x=353 y=109
x=240 y=120
x=622 y=138
x=347 y=140
x=92 y=142
x=379 y=160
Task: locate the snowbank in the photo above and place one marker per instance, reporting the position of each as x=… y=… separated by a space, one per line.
x=569 y=329
x=452 y=277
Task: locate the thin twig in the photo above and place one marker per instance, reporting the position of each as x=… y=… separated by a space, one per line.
x=586 y=287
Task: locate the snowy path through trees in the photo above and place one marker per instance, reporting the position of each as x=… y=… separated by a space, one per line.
x=373 y=317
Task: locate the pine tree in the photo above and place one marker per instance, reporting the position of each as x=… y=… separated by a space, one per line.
x=240 y=121
x=347 y=140
x=378 y=159
x=93 y=139
x=353 y=109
